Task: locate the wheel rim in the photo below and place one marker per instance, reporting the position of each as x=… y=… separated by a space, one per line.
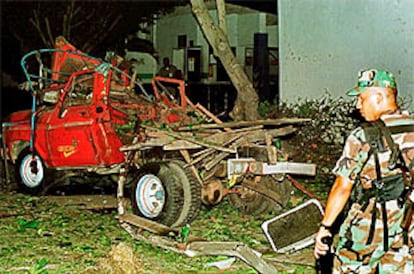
x=150 y=195
x=32 y=171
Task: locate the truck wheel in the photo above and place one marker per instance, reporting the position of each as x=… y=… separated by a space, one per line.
x=165 y=193
x=192 y=192
x=250 y=202
x=30 y=173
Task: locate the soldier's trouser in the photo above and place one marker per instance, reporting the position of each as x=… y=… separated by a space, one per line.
x=355 y=255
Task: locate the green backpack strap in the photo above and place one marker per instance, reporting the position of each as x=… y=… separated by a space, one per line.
x=396 y=156
x=374 y=132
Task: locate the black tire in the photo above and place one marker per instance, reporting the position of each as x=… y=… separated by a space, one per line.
x=192 y=193
x=31 y=174
x=250 y=202
x=165 y=193
x=284 y=188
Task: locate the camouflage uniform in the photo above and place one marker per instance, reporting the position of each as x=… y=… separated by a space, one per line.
x=354 y=254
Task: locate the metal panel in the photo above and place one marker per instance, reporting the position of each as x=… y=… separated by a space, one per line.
x=294 y=229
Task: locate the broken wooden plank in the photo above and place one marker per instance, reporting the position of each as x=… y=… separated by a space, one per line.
x=201 y=154
x=271 y=150
x=146 y=224
x=156 y=240
x=181 y=144
x=260 y=135
x=268 y=122
x=193 y=140
x=252 y=136
x=212 y=116
x=226 y=138
x=194 y=170
x=217 y=159
x=247 y=128
x=301 y=257
x=222 y=155
x=211 y=173
x=233 y=249
x=208 y=152
x=153 y=142
x=194 y=107
x=202 y=157
x=154 y=132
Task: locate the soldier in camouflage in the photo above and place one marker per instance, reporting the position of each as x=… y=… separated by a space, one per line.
x=371 y=239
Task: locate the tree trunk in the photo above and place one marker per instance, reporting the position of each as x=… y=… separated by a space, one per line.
x=245 y=107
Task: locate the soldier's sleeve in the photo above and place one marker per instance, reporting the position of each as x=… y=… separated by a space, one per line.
x=353 y=156
x=407 y=149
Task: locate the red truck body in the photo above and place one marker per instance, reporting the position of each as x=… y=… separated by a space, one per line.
x=75 y=132
x=83 y=136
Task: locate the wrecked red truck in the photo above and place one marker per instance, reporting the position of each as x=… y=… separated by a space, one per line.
x=94 y=117
x=73 y=124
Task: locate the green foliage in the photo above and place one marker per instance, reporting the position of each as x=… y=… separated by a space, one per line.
x=266 y=109
x=185 y=232
x=23 y=224
x=406 y=103
x=40 y=267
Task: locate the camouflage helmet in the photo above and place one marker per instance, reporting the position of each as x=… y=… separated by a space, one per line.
x=373 y=78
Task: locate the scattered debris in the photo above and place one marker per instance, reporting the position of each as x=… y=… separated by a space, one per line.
x=222 y=265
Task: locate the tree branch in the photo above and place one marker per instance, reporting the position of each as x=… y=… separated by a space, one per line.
x=77 y=10
x=64 y=26
x=36 y=24
x=101 y=35
x=67 y=19
x=81 y=22
x=49 y=32
x=65 y=22
x=221 y=15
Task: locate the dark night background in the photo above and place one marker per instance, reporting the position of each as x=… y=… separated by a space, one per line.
x=19 y=36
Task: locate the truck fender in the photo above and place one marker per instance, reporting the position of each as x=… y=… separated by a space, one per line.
x=16 y=148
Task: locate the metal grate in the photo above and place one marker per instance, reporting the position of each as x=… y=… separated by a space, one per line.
x=294 y=229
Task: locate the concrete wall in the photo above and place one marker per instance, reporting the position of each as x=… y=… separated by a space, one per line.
x=324 y=43
x=169 y=28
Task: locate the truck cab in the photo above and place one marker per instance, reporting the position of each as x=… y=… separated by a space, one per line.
x=84 y=111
